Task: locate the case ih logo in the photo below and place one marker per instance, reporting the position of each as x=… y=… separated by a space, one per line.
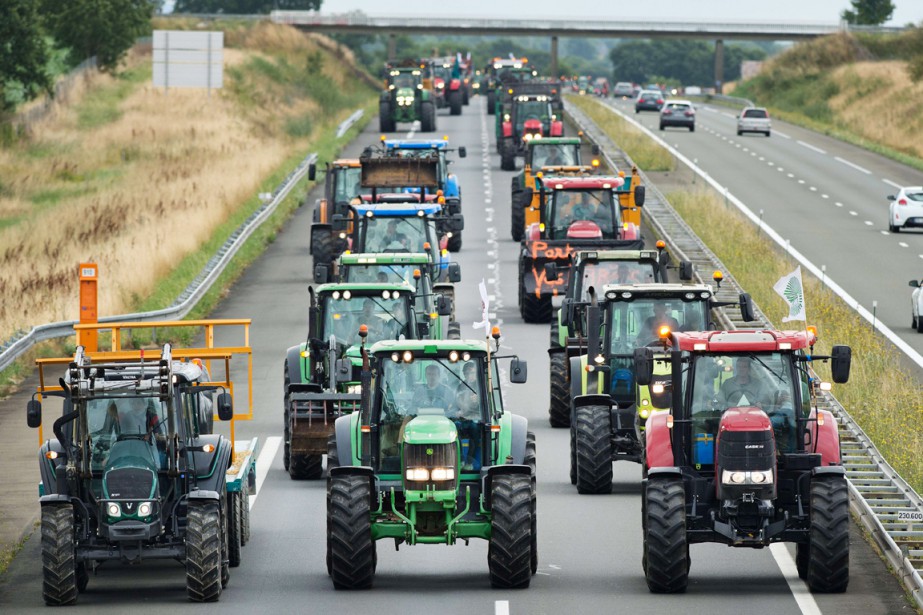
x=749 y=446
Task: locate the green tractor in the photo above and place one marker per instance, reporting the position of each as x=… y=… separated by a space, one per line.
x=607 y=419
x=405 y=99
x=315 y=391
x=433 y=457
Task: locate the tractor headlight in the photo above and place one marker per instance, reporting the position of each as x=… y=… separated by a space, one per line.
x=113 y=509
x=144 y=509
x=442 y=474
x=417 y=474
x=355 y=389
x=730 y=477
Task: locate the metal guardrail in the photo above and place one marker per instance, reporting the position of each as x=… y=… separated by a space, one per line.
x=19 y=344
x=883 y=502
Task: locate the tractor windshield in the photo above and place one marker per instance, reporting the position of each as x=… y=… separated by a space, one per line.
x=439 y=386
x=555 y=154
x=386 y=317
x=404 y=80
x=348 y=185
x=532 y=110
x=598 y=274
x=719 y=382
x=635 y=324
x=123 y=419
x=378 y=272
x=571 y=206
x=395 y=234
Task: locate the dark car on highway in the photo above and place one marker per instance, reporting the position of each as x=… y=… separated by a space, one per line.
x=648 y=100
x=679 y=113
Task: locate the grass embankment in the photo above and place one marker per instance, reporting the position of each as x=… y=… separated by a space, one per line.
x=882 y=398
x=857 y=89
x=148 y=184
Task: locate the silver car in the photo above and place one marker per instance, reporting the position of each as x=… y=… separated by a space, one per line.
x=754 y=119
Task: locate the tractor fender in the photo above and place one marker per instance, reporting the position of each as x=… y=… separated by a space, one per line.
x=507 y=128
x=631 y=231
x=664 y=472
x=54 y=498
x=826 y=439
x=451 y=187
x=519 y=426
x=359 y=471
x=557 y=128
x=488 y=474
x=343 y=431
x=203 y=495
x=577 y=382
x=658 y=445
x=295 y=359
x=49 y=480
x=592 y=399
x=453 y=205
x=220 y=461
x=828 y=471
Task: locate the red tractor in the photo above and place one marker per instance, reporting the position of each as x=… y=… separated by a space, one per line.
x=744 y=457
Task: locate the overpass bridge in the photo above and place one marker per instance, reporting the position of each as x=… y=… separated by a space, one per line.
x=461 y=25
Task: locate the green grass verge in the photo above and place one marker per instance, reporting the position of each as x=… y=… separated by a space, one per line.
x=101 y=105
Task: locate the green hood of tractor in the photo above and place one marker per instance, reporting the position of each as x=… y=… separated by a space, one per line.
x=131 y=471
x=430 y=429
x=405 y=92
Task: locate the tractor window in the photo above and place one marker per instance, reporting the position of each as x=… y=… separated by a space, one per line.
x=552 y=154
x=405 y=234
x=404 y=80
x=636 y=323
x=381 y=273
x=113 y=420
x=600 y=273
x=348 y=184
x=532 y=110
x=387 y=319
x=572 y=206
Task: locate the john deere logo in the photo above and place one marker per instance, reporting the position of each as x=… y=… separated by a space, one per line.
x=429 y=451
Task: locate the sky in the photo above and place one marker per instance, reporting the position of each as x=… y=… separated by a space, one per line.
x=825 y=11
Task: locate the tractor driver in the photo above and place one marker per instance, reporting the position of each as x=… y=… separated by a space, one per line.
x=466 y=413
x=434 y=394
x=743 y=388
x=651 y=329
x=392 y=237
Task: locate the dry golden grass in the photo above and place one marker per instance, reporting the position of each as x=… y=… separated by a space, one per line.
x=149 y=182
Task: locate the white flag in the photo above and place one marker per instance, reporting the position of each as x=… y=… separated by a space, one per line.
x=790 y=288
x=485 y=308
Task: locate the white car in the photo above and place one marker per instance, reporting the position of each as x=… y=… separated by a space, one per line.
x=754 y=119
x=915 y=308
x=905 y=209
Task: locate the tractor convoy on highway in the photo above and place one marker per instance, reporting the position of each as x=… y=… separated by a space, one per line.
x=420 y=446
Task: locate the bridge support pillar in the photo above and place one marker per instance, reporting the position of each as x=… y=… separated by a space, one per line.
x=392 y=46
x=719 y=65
x=554 y=57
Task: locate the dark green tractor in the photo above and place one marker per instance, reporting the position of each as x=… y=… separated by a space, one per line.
x=405 y=99
x=433 y=457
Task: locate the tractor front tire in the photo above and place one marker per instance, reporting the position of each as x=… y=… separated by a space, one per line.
x=666 y=547
x=507 y=155
x=234 y=528
x=333 y=458
x=427 y=117
x=559 y=406
x=509 y=556
x=802 y=559
x=828 y=557
x=455 y=242
x=455 y=102
x=59 y=568
x=453 y=331
x=326 y=248
x=491 y=102
x=203 y=551
x=349 y=538
x=517 y=218
x=385 y=120
x=592 y=433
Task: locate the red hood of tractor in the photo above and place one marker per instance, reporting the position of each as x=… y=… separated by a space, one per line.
x=584 y=229
x=532 y=126
x=745 y=418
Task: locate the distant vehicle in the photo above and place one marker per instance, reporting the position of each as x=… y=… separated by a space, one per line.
x=754 y=119
x=678 y=113
x=623 y=89
x=906 y=209
x=648 y=100
x=915 y=308
x=693 y=90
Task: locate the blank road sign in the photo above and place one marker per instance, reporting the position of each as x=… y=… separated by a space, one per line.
x=188 y=59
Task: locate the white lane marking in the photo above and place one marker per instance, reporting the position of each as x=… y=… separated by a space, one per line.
x=885 y=233
x=825 y=196
x=781 y=134
x=772 y=164
x=869 y=223
x=502 y=607
x=902 y=244
x=920 y=255
x=799 y=590
x=733 y=117
x=263 y=462
x=853 y=165
x=800 y=181
x=813 y=189
x=891 y=183
x=838 y=204
x=811 y=147
x=853 y=213
x=792 y=175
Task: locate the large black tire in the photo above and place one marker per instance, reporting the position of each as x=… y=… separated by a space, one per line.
x=349 y=538
x=919 y=325
x=517 y=217
x=225 y=547
x=507 y=155
x=828 y=559
x=573 y=457
x=802 y=557
x=532 y=308
x=559 y=406
x=83 y=576
x=665 y=543
x=234 y=528
x=325 y=248
x=245 y=518
x=286 y=428
x=455 y=102
x=333 y=458
x=593 y=446
x=203 y=551
x=305 y=467
x=509 y=556
x=59 y=568
x=427 y=117
x=491 y=102
x=466 y=96
x=530 y=460
x=455 y=242
x=385 y=119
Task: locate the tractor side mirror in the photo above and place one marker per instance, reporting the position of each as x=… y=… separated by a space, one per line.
x=595 y=150
x=567 y=312
x=639 y=195
x=841 y=357
x=312 y=171
x=746 y=307
x=443 y=305
x=644 y=366
x=344 y=371
x=519 y=371
x=34 y=413
x=462 y=152
x=686 y=270
x=225 y=406
x=914 y=283
x=321 y=274
x=453 y=272
x=551 y=271
x=338 y=222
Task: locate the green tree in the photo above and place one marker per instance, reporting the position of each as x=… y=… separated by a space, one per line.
x=23 y=53
x=244 y=7
x=685 y=61
x=102 y=28
x=869 y=12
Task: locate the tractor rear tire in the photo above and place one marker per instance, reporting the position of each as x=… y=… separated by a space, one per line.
x=385 y=119
x=333 y=458
x=530 y=458
x=665 y=543
x=455 y=103
x=59 y=568
x=466 y=97
x=517 y=218
x=507 y=155
x=559 y=407
x=592 y=433
x=245 y=517
x=203 y=551
x=234 y=528
x=326 y=249
x=491 y=102
x=286 y=426
x=573 y=457
x=919 y=325
x=802 y=559
x=828 y=558
x=305 y=467
x=427 y=117
x=349 y=539
x=509 y=556
x=455 y=242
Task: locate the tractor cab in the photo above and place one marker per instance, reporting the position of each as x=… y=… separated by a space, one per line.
x=407 y=97
x=386 y=309
x=581 y=208
x=553 y=152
